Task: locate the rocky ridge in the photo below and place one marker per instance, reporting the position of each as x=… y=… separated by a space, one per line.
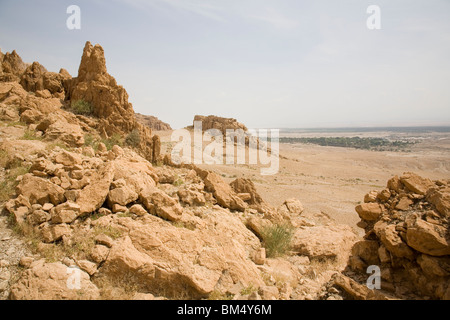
x=407 y=235
x=153 y=122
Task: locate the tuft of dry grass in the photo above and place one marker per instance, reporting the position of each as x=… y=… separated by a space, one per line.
x=277 y=239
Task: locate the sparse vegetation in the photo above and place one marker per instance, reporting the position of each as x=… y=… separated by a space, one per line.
x=115 y=139
x=82 y=107
x=30 y=135
x=375 y=144
x=248 y=290
x=8 y=184
x=178 y=181
x=133 y=139
x=277 y=239
x=217 y=295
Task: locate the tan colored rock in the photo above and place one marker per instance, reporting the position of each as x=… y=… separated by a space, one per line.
x=199 y=260
x=384 y=195
x=12 y=66
x=66 y=212
x=434 y=266
x=258 y=225
x=219 y=123
x=118 y=208
x=384 y=255
x=104 y=240
x=37 y=217
x=223 y=192
x=367 y=250
x=371 y=197
x=369 y=211
x=31 y=116
x=43 y=94
x=39 y=190
x=428 y=238
x=53 y=281
x=260 y=256
x=67 y=158
x=109 y=100
x=71 y=134
x=269 y=292
x=26 y=261
x=32 y=79
x=404 y=204
x=441 y=199
x=324 y=241
x=392 y=241
x=241 y=185
x=54 y=232
x=122 y=196
x=138 y=210
x=415 y=183
x=356 y=290
x=99 y=254
x=94 y=195
x=191 y=197
x=395 y=184
x=152 y=122
x=159 y=203
x=20 y=214
x=88 y=266
x=293 y=206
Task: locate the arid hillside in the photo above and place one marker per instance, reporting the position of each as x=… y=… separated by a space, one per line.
x=94 y=208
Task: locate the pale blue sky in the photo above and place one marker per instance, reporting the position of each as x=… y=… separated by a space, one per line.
x=268 y=63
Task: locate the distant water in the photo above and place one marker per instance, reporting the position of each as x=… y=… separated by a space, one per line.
x=441 y=129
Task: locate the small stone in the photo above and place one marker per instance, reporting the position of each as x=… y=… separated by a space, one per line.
x=118 y=208
x=87 y=266
x=105 y=240
x=47 y=206
x=138 y=210
x=26 y=261
x=260 y=256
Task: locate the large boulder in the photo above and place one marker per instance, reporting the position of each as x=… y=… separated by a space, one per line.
x=334 y=241
x=198 y=261
x=223 y=192
x=54 y=281
x=159 y=203
x=440 y=198
x=369 y=211
x=39 y=190
x=428 y=238
x=94 y=194
x=415 y=183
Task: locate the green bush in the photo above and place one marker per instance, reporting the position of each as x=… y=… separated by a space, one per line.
x=115 y=139
x=134 y=138
x=82 y=107
x=277 y=239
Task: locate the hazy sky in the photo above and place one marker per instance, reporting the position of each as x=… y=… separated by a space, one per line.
x=268 y=63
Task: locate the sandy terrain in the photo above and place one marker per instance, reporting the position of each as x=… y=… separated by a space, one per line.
x=334 y=180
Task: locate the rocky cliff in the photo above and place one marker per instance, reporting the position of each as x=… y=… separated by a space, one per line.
x=152 y=122
x=109 y=113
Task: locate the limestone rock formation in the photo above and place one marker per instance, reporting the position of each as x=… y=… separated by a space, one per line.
x=152 y=122
x=219 y=123
x=109 y=100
